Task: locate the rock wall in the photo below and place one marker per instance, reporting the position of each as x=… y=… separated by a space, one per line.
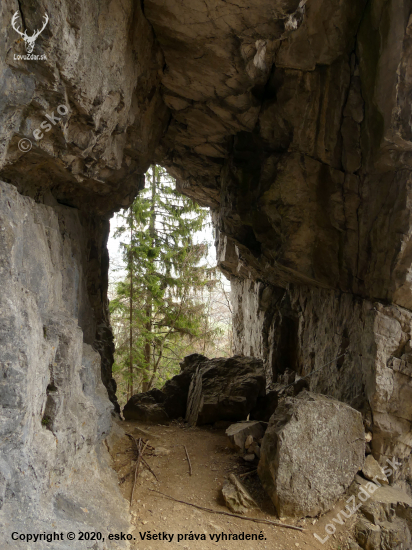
x=102 y=63
x=289 y=118
x=55 y=412
x=303 y=329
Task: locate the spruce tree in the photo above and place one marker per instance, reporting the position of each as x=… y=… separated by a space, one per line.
x=158 y=306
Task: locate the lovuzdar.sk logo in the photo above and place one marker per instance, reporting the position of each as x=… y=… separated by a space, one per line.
x=29 y=41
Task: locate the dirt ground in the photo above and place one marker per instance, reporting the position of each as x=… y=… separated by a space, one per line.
x=212 y=461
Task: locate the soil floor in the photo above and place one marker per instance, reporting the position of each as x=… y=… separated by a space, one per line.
x=212 y=461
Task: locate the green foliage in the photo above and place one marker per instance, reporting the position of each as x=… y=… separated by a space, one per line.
x=157 y=310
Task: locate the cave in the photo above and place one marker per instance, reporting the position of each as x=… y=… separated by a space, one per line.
x=290 y=120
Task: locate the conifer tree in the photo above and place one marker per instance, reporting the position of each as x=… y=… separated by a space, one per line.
x=158 y=303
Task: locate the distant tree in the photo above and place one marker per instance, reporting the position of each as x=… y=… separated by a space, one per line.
x=157 y=308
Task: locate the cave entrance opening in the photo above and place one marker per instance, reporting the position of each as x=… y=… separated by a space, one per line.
x=167 y=298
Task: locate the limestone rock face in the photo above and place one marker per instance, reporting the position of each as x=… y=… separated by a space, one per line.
x=206 y=90
x=359 y=349
x=55 y=412
x=311 y=451
x=224 y=389
x=291 y=119
x=103 y=65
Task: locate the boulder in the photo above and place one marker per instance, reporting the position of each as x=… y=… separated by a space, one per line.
x=177 y=388
x=146 y=406
x=192 y=361
x=238 y=434
x=372 y=470
x=144 y=411
x=224 y=389
x=311 y=451
x=169 y=402
x=236 y=496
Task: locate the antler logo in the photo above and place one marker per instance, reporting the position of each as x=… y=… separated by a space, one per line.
x=28 y=40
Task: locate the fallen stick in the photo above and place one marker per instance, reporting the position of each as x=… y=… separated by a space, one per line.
x=131 y=437
x=141 y=456
x=149 y=468
x=248 y=473
x=256 y=520
x=187 y=456
x=188 y=459
x=140 y=452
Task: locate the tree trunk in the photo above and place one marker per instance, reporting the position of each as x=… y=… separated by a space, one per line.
x=148 y=379
x=130 y=383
